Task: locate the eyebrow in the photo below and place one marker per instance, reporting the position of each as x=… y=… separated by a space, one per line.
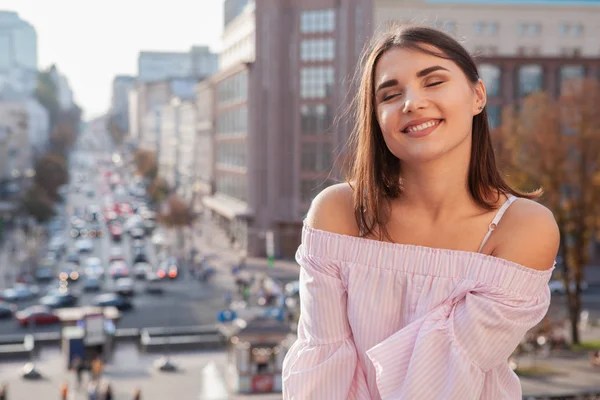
x=420 y=74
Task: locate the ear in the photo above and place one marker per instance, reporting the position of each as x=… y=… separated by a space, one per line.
x=480 y=97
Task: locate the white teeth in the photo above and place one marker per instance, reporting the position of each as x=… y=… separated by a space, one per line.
x=424 y=125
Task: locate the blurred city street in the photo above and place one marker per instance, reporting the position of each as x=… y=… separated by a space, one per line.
x=158 y=161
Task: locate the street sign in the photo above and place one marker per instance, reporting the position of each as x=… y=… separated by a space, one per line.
x=270 y=248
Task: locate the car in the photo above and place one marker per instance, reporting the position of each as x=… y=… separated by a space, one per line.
x=116 y=231
x=92 y=284
x=140 y=257
x=7 y=310
x=84 y=245
x=93 y=267
x=69 y=273
x=73 y=258
x=20 y=292
x=44 y=274
x=59 y=299
x=557 y=286
x=112 y=300
x=124 y=287
x=118 y=269
x=137 y=233
x=38 y=315
x=141 y=270
x=138 y=245
x=95 y=230
x=168 y=268
x=154 y=285
x=116 y=254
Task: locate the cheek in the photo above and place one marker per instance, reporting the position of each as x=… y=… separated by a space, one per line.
x=387 y=117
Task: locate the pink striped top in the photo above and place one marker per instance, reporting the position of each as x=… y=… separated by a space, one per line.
x=393 y=321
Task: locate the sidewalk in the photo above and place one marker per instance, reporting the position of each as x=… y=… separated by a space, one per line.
x=568 y=372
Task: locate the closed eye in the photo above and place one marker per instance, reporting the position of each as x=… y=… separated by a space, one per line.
x=435 y=84
x=390 y=96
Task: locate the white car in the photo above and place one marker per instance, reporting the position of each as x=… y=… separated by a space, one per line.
x=124 y=286
x=93 y=267
x=557 y=286
x=84 y=245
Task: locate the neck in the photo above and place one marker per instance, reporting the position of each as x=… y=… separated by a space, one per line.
x=436 y=190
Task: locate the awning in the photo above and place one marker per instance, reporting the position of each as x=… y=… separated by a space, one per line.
x=228 y=207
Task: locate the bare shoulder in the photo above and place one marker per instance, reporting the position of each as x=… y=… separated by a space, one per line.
x=333 y=210
x=528 y=235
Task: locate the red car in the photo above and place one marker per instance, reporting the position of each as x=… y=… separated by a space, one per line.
x=38 y=315
x=116 y=231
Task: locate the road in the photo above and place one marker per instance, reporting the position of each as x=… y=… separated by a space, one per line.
x=185 y=301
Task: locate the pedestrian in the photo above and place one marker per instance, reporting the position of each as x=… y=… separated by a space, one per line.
x=64 y=391
x=97 y=366
x=422 y=272
x=4 y=391
x=107 y=392
x=78 y=367
x=92 y=390
x=137 y=394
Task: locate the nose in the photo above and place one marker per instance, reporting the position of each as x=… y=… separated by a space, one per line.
x=413 y=100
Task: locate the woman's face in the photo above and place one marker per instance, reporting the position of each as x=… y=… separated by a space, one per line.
x=424 y=104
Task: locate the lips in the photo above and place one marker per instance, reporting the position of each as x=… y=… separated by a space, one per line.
x=422 y=123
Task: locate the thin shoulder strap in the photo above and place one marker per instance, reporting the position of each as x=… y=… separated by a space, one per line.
x=496 y=220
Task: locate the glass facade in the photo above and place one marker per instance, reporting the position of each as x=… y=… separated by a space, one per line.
x=530 y=79
x=316 y=156
x=316 y=118
x=234 y=185
x=233 y=89
x=491 y=75
x=316 y=82
x=317 y=21
x=317 y=50
x=232 y=122
x=231 y=153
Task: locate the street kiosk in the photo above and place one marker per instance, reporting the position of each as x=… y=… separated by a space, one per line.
x=87 y=333
x=255 y=354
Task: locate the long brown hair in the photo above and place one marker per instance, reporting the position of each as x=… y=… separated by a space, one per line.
x=374 y=171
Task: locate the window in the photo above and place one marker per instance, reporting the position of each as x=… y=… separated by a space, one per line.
x=317 y=50
x=234 y=185
x=491 y=75
x=317 y=21
x=233 y=89
x=567 y=29
x=233 y=121
x=231 y=154
x=494 y=115
x=316 y=82
x=530 y=79
x=479 y=27
x=316 y=156
x=570 y=72
x=316 y=118
x=529 y=29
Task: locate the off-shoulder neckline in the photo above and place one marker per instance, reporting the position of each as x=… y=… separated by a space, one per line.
x=393 y=246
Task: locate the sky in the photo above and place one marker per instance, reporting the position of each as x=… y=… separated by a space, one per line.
x=91 y=41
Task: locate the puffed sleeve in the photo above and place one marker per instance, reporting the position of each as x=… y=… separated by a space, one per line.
x=448 y=352
x=322 y=363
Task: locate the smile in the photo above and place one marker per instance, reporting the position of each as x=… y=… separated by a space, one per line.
x=422 y=129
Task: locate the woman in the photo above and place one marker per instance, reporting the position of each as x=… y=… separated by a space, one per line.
x=421 y=275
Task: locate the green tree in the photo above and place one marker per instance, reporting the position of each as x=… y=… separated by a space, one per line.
x=51 y=172
x=555 y=143
x=46 y=93
x=36 y=203
x=158 y=190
